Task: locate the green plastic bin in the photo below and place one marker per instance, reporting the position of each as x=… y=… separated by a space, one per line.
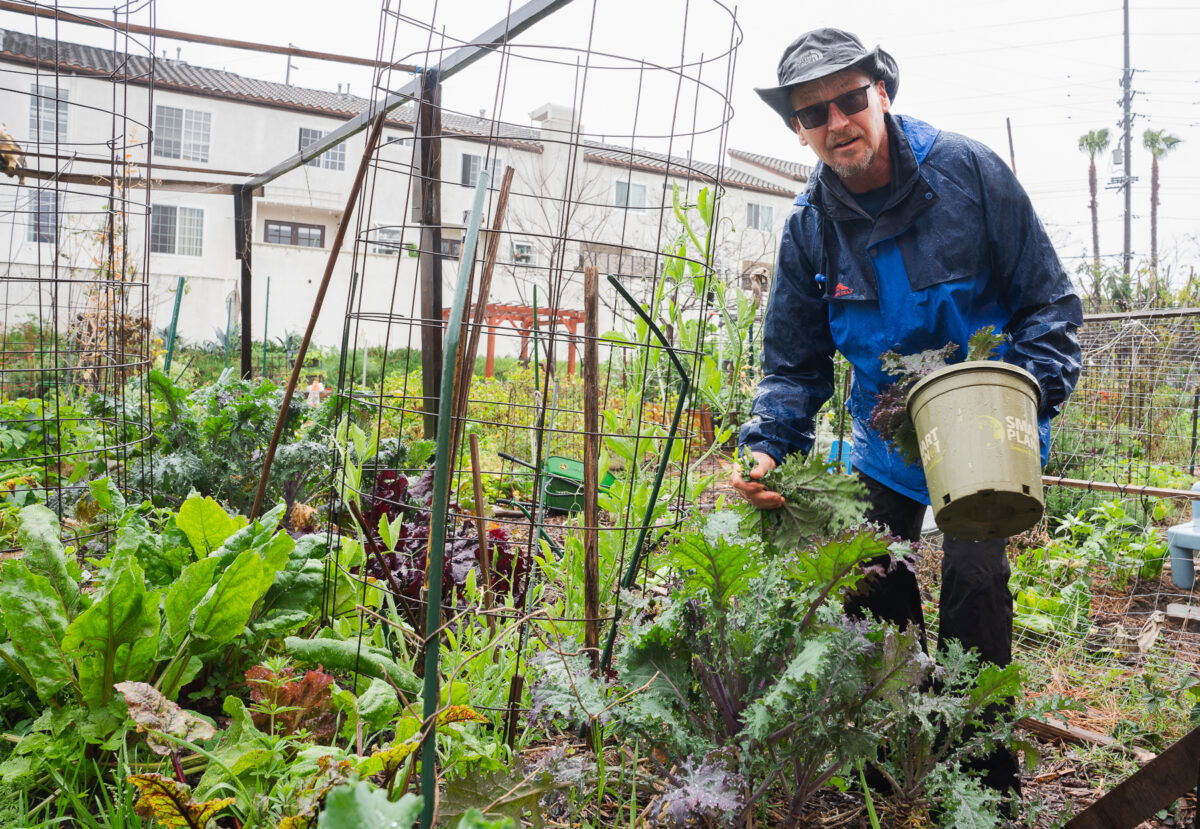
x=562 y=483
x=977 y=428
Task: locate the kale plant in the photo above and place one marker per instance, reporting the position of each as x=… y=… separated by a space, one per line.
x=934 y=736
x=705 y=790
x=207 y=441
x=890 y=416
x=752 y=659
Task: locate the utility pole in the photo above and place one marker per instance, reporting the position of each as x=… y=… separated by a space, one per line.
x=1127 y=119
x=287 y=75
x=1126 y=180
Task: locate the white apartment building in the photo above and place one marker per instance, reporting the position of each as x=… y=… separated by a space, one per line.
x=198 y=131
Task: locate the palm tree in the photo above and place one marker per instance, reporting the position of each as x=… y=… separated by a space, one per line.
x=1159 y=143
x=1095 y=141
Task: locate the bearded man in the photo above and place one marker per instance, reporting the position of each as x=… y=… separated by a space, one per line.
x=907 y=238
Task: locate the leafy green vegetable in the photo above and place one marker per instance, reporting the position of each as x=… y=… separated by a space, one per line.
x=39 y=535
x=116 y=638
x=350 y=656
x=205 y=523
x=816 y=503
x=764 y=666
x=226 y=607
x=984 y=343
x=125 y=632
x=185 y=594
x=170 y=804
x=156 y=714
x=362 y=806
x=921 y=364
x=716 y=558
x=36 y=622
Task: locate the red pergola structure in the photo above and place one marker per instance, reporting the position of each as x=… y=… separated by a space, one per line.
x=521 y=317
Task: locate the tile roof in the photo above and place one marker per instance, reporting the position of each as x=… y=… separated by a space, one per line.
x=682 y=167
x=172 y=74
x=177 y=75
x=181 y=76
x=780 y=167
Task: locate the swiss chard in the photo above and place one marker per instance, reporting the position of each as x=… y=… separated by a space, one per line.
x=71 y=647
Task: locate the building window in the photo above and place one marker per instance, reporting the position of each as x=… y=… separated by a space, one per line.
x=522 y=253
x=332 y=159
x=43 y=216
x=630 y=195
x=178 y=230
x=295 y=233
x=181 y=133
x=471 y=165
x=47 y=113
x=760 y=217
x=451 y=248
x=386 y=240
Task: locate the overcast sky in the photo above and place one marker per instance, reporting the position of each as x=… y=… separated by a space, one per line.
x=1053 y=69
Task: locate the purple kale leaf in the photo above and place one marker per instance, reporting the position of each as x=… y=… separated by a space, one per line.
x=707 y=793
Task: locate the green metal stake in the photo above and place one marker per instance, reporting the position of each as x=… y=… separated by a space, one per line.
x=686 y=388
x=228 y=326
x=266 y=311
x=441 y=504
x=534 y=337
x=174 y=325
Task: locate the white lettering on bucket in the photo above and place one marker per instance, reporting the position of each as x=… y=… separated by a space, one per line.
x=1021 y=432
x=931 y=447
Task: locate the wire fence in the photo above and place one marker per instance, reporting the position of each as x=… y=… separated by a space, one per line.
x=74 y=328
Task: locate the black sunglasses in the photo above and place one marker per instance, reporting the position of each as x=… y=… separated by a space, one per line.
x=850 y=103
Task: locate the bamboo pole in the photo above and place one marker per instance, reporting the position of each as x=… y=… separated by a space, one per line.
x=1120 y=489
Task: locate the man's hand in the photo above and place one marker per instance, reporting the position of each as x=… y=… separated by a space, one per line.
x=752 y=490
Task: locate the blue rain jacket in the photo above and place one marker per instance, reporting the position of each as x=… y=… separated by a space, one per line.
x=957 y=247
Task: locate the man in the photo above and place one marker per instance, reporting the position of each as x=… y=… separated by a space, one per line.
x=907 y=238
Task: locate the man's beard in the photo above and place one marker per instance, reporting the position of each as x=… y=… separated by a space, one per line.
x=854 y=168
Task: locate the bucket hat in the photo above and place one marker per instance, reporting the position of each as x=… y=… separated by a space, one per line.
x=822 y=52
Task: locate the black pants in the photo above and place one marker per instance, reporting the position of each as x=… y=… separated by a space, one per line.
x=976 y=607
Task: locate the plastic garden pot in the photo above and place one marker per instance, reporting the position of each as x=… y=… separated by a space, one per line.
x=977 y=429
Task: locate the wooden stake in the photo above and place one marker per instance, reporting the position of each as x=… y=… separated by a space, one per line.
x=591 y=464
x=485 y=558
x=469 y=347
x=515 y=688
x=427 y=193
x=1054 y=729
